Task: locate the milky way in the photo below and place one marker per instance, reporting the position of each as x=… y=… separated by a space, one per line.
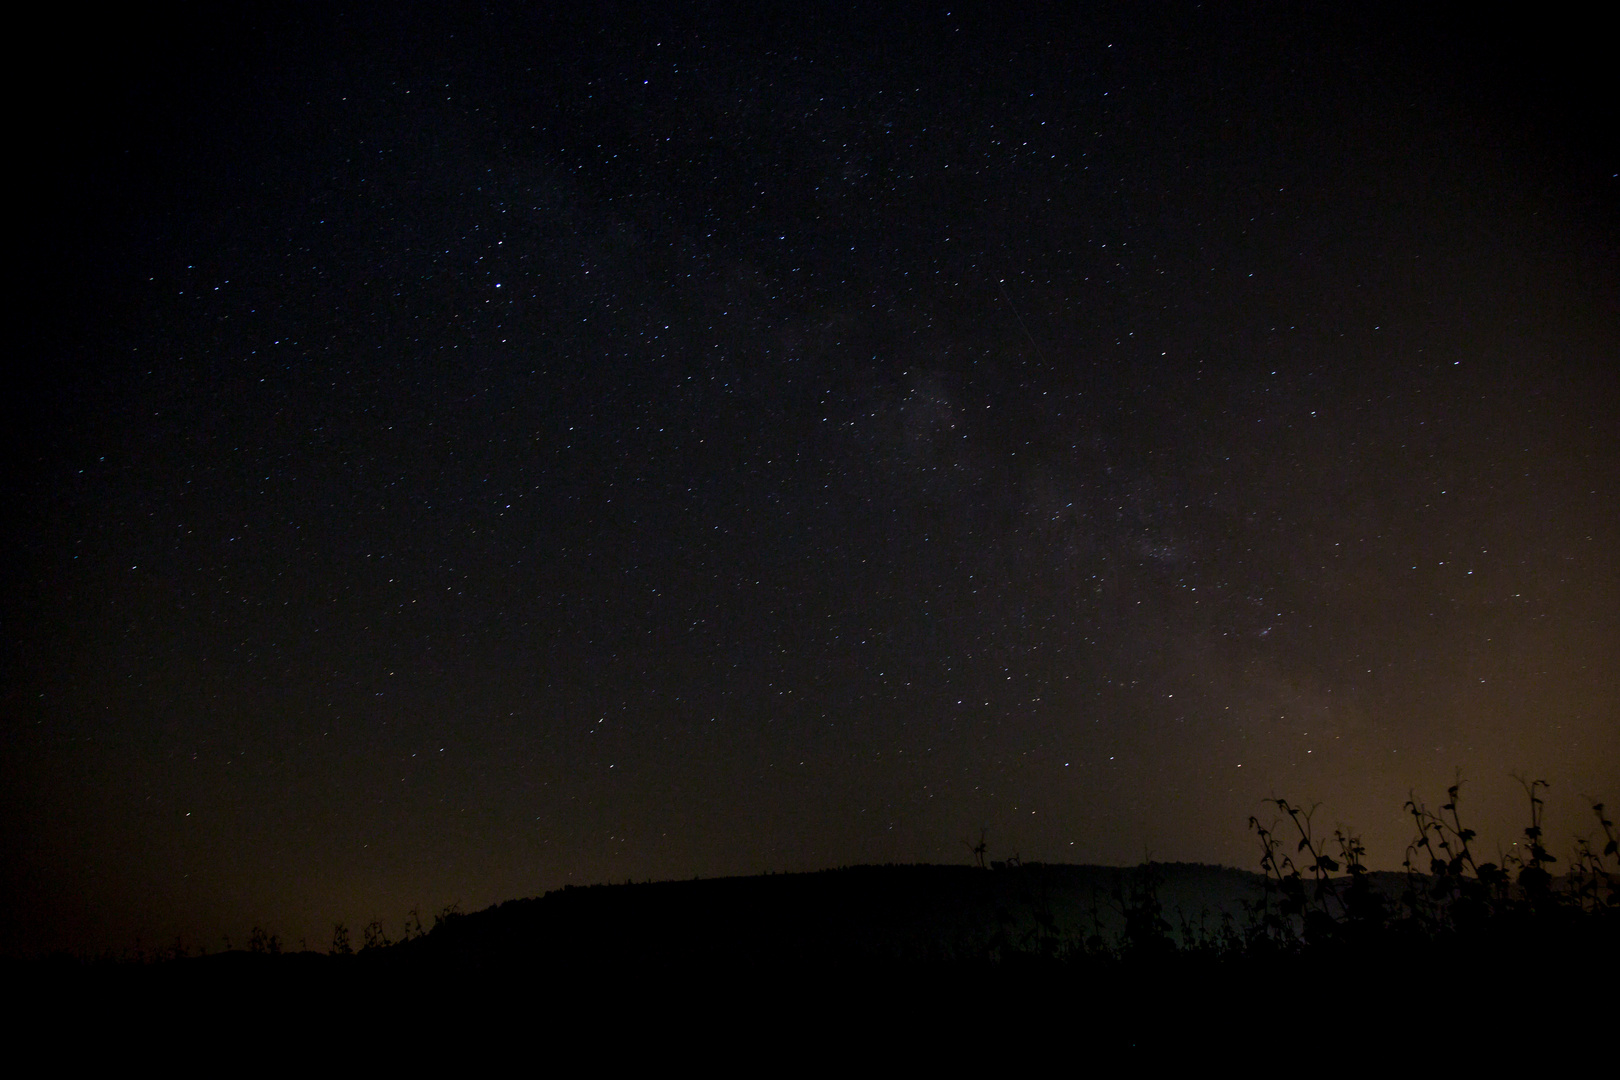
x=476 y=457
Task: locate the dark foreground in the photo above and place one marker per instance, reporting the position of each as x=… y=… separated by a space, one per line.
x=925 y=960
x=1439 y=1001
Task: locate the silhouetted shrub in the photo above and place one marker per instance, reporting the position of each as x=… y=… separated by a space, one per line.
x=259 y=941
x=374 y=936
x=1450 y=898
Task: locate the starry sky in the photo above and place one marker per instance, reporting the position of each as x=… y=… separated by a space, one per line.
x=459 y=454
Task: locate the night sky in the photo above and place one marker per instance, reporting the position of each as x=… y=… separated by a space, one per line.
x=453 y=456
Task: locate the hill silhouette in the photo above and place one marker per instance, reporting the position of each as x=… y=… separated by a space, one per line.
x=927 y=914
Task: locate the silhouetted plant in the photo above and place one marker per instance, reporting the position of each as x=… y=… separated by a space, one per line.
x=261 y=942
x=1095 y=944
x=1459 y=892
x=1534 y=878
x=1365 y=909
x=1271 y=918
x=1146 y=933
x=340 y=941
x=1596 y=887
x=446 y=915
x=375 y=937
x=1043 y=939
x=978 y=849
x=1289 y=913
